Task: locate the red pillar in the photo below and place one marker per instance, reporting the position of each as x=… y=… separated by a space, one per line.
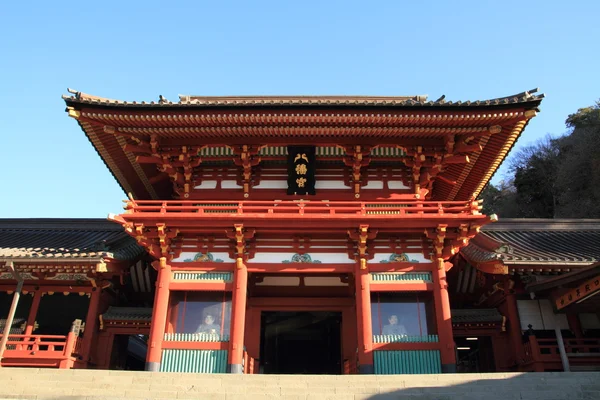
x=91 y=320
x=514 y=328
x=238 y=317
x=363 y=319
x=159 y=316
x=35 y=305
x=575 y=325
x=444 y=318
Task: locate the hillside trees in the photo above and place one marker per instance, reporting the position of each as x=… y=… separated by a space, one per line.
x=555 y=177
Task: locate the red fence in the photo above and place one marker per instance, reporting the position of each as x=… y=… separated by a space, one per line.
x=544 y=355
x=415 y=207
x=250 y=364
x=41 y=350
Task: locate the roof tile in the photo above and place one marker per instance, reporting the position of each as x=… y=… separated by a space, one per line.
x=65 y=238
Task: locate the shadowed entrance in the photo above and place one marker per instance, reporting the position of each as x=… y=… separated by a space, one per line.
x=301 y=342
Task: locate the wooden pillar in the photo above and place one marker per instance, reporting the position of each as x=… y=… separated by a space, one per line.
x=35 y=305
x=13 y=309
x=363 y=318
x=159 y=316
x=238 y=317
x=443 y=318
x=90 y=324
x=514 y=328
x=575 y=325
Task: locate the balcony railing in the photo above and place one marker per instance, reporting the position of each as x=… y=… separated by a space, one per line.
x=300 y=208
x=544 y=355
x=41 y=350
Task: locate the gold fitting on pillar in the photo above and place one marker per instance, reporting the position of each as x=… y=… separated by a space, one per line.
x=163 y=262
x=440 y=262
x=363 y=263
x=239 y=262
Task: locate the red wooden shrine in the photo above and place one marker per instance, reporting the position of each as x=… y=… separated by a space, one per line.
x=275 y=222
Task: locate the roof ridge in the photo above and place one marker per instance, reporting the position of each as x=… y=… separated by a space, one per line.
x=303 y=100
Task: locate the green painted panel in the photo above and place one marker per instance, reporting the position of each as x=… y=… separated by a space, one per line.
x=407 y=362
x=195 y=337
x=203 y=276
x=210 y=152
x=196 y=361
x=409 y=276
x=405 y=339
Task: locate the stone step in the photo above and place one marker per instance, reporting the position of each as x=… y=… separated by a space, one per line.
x=46 y=384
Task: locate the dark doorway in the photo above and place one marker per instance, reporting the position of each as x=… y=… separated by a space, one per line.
x=129 y=352
x=301 y=342
x=474 y=354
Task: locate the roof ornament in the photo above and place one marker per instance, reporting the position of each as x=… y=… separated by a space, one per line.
x=441 y=99
x=75 y=92
x=162 y=99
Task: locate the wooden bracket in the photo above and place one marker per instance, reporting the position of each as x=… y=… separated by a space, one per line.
x=247 y=158
x=357 y=158
x=240 y=237
x=361 y=237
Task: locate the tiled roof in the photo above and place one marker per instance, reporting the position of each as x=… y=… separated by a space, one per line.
x=567 y=280
x=389 y=121
x=462 y=316
x=538 y=241
x=15 y=328
x=271 y=101
x=65 y=239
x=128 y=314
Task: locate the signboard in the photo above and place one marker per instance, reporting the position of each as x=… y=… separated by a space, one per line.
x=301 y=170
x=578 y=293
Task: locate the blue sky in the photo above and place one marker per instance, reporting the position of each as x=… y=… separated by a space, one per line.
x=137 y=50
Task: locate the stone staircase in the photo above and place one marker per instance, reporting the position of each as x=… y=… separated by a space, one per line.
x=53 y=384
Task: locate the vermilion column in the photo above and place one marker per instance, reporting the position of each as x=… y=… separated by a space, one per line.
x=363 y=319
x=90 y=323
x=35 y=305
x=443 y=318
x=514 y=325
x=159 y=316
x=238 y=317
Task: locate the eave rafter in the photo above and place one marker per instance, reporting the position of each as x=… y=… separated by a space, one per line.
x=428 y=164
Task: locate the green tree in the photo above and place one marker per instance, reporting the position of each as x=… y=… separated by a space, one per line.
x=555 y=177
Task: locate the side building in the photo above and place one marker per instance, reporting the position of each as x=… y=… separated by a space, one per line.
x=57 y=277
x=528 y=286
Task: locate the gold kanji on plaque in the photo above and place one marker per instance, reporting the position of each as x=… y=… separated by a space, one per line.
x=301 y=156
x=300 y=182
x=301 y=169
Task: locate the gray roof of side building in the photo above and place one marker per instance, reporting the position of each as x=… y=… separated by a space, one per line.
x=65 y=238
x=539 y=241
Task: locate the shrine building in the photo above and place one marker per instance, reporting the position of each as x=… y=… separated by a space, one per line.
x=288 y=234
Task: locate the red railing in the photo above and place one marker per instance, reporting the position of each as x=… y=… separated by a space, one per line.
x=544 y=354
x=250 y=364
x=41 y=350
x=350 y=367
x=296 y=208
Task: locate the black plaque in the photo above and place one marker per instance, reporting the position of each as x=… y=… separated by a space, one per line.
x=301 y=170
